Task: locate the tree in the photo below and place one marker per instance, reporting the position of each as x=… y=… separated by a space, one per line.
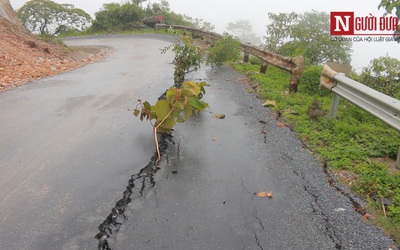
x=138 y=2
x=243 y=30
x=383 y=74
x=389 y=6
x=48 y=17
x=199 y=23
x=306 y=34
x=114 y=16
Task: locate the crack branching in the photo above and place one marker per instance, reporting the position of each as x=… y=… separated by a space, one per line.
x=137 y=185
x=259 y=220
x=317 y=208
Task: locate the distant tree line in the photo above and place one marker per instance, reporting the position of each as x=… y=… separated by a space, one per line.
x=49 y=18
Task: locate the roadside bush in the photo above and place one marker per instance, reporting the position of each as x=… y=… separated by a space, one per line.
x=116 y=17
x=255 y=60
x=225 y=50
x=309 y=83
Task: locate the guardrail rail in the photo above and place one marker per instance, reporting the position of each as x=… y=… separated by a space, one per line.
x=383 y=107
x=293 y=65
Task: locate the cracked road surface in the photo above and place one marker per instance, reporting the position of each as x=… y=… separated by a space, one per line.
x=75 y=164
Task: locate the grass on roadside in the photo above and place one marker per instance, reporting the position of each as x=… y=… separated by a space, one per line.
x=349 y=144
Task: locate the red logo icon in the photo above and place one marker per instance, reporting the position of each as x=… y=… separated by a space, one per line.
x=342 y=23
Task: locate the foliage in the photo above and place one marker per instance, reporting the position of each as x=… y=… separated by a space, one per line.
x=390 y=5
x=224 y=50
x=243 y=31
x=138 y=2
x=306 y=34
x=310 y=81
x=117 y=17
x=170 y=17
x=255 y=60
x=188 y=58
x=173 y=18
x=48 y=17
x=383 y=74
x=199 y=23
x=179 y=105
x=348 y=143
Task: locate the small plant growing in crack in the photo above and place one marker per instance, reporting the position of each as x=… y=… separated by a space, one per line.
x=184 y=99
x=188 y=58
x=181 y=101
x=179 y=104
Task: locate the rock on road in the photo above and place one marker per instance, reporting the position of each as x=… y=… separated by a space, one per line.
x=68 y=146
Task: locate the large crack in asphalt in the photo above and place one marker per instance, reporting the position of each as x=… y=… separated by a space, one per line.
x=137 y=186
x=318 y=209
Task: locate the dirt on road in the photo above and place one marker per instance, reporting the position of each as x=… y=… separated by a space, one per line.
x=24 y=57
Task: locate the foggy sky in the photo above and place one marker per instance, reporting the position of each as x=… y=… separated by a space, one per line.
x=221 y=12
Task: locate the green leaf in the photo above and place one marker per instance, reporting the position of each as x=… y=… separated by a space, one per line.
x=191 y=88
x=147 y=105
x=197 y=104
x=188 y=111
x=169 y=123
x=171 y=93
x=179 y=119
x=161 y=109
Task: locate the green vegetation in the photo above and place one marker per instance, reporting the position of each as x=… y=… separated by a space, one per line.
x=179 y=104
x=188 y=58
x=383 y=74
x=46 y=17
x=243 y=31
x=350 y=143
x=224 y=50
x=307 y=34
x=117 y=17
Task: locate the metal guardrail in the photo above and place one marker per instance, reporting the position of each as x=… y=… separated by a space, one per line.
x=293 y=65
x=383 y=107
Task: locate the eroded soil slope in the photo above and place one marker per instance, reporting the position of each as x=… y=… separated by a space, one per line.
x=24 y=58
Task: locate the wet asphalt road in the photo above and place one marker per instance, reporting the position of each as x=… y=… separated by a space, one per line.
x=68 y=147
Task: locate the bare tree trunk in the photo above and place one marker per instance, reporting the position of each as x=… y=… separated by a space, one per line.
x=7 y=12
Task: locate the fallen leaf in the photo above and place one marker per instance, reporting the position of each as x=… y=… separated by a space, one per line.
x=369 y=216
x=264 y=194
x=281 y=125
x=270 y=103
x=219 y=116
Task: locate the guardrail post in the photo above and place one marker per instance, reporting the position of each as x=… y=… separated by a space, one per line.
x=398 y=160
x=293 y=83
x=335 y=106
x=264 y=67
x=246 y=57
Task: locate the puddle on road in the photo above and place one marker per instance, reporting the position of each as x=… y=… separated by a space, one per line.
x=137 y=186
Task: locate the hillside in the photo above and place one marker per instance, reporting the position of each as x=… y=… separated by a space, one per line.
x=24 y=58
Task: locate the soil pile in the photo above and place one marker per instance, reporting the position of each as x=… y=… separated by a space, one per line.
x=24 y=57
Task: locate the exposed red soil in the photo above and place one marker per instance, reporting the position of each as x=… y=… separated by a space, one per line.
x=24 y=57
